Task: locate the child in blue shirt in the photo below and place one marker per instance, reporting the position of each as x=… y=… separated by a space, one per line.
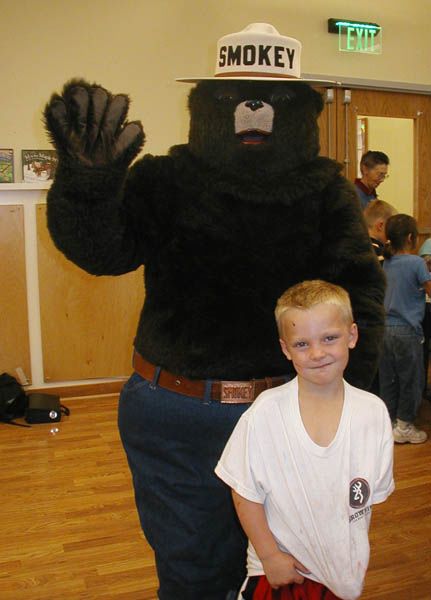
x=401 y=366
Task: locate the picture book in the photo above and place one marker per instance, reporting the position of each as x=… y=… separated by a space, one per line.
x=38 y=165
x=6 y=165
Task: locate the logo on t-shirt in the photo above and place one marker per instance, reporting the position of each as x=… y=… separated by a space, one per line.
x=359 y=492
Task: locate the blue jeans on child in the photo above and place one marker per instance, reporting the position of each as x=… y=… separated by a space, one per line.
x=401 y=372
x=173 y=443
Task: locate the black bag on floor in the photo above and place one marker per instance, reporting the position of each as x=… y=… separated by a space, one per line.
x=13 y=400
x=44 y=408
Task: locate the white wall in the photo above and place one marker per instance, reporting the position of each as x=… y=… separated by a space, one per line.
x=395 y=138
x=140 y=46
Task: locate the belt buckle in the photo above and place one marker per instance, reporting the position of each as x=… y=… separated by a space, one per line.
x=237 y=392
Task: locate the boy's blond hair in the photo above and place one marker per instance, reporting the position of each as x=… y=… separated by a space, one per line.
x=307 y=294
x=376 y=210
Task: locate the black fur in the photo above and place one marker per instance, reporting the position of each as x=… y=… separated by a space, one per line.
x=212 y=136
x=223 y=229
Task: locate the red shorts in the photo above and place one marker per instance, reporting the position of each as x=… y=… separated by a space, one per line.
x=258 y=588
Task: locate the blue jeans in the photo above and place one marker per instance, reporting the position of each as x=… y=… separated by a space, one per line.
x=173 y=443
x=401 y=372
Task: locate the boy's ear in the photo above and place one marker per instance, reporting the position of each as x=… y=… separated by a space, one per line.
x=284 y=349
x=353 y=335
x=380 y=225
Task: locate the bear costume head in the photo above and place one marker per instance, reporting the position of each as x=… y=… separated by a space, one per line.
x=241 y=118
x=244 y=125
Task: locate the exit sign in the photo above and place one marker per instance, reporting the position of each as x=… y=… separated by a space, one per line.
x=357 y=36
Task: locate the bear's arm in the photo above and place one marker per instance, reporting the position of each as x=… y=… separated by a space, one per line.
x=347 y=258
x=107 y=220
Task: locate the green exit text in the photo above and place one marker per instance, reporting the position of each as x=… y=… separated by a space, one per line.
x=359 y=39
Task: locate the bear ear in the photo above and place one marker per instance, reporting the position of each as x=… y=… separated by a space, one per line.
x=198 y=91
x=317 y=101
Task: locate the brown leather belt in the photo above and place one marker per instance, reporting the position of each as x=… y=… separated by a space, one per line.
x=229 y=392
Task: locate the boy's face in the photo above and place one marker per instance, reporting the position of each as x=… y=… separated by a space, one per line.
x=317 y=341
x=380 y=230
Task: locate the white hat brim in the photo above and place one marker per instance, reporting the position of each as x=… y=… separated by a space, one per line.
x=324 y=82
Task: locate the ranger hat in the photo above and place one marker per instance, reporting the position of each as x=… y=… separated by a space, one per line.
x=258 y=53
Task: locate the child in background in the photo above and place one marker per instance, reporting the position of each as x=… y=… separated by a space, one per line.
x=425 y=253
x=376 y=213
x=401 y=368
x=308 y=459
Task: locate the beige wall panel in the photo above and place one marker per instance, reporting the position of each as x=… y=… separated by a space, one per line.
x=88 y=323
x=395 y=137
x=14 y=337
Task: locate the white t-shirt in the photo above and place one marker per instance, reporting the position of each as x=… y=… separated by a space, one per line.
x=317 y=499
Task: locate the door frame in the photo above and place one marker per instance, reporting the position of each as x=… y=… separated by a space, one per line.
x=338 y=135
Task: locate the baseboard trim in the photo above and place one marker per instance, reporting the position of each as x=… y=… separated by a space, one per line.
x=85 y=389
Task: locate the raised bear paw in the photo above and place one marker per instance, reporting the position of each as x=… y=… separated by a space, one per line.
x=88 y=123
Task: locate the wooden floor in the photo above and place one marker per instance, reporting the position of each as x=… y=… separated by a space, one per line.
x=69 y=529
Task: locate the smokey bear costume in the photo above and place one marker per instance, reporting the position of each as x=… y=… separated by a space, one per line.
x=223 y=224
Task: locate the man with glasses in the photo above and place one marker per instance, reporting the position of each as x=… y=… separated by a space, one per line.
x=374 y=170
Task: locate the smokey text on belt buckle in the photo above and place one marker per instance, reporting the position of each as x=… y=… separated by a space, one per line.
x=237 y=392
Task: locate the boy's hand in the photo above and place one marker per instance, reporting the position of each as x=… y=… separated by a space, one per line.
x=281 y=569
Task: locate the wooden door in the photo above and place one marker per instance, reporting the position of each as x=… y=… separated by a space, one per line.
x=391 y=105
x=328 y=123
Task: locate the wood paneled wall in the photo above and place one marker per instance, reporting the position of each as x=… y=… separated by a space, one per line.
x=14 y=333
x=88 y=323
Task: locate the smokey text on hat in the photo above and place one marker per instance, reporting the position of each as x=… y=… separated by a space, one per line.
x=249 y=55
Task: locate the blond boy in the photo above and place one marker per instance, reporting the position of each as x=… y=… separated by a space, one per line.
x=376 y=213
x=309 y=459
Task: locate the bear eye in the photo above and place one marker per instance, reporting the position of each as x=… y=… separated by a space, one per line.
x=282 y=94
x=226 y=95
